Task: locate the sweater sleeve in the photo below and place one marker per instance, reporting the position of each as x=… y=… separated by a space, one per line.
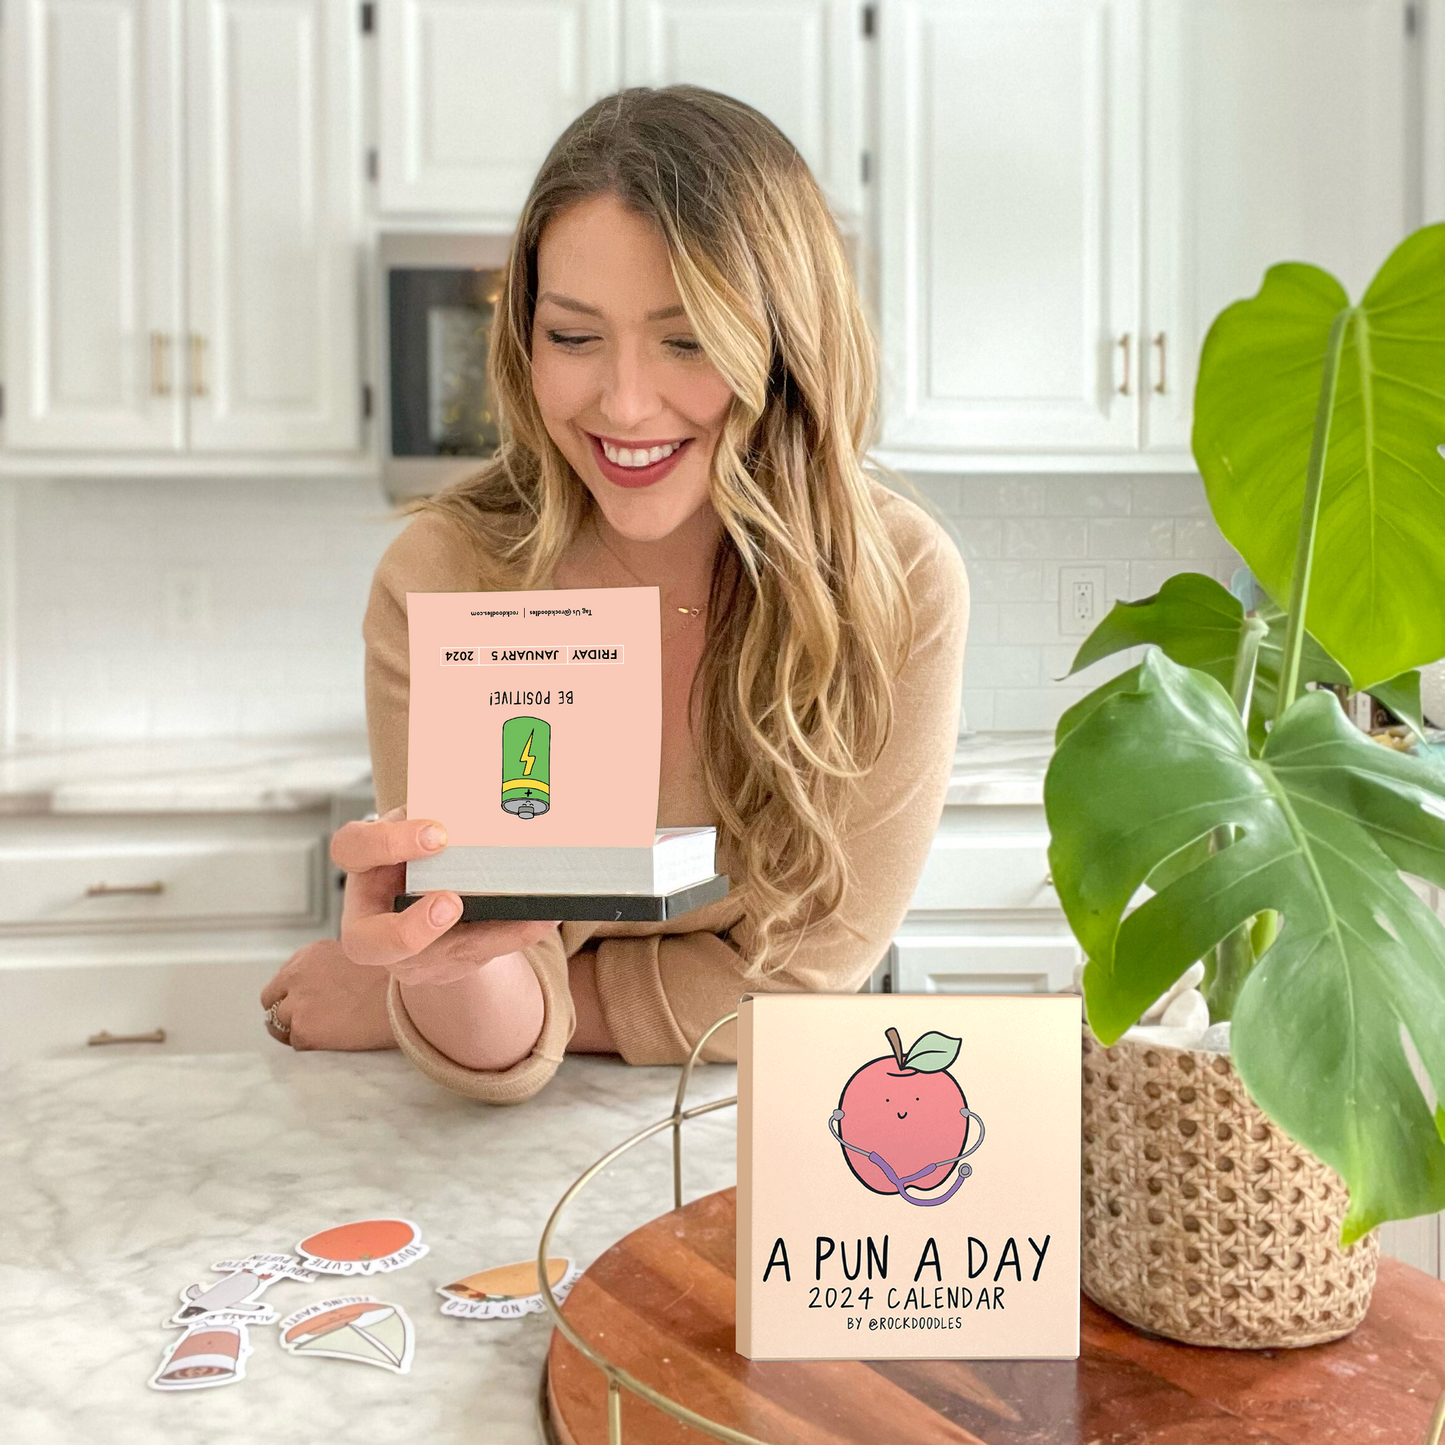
x=434 y=555
x=660 y=993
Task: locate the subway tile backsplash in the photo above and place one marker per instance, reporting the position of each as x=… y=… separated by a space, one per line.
x=192 y=608
x=1015 y=533
x=208 y=608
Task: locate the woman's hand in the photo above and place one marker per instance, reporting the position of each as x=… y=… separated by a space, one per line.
x=420 y=945
x=324 y=1001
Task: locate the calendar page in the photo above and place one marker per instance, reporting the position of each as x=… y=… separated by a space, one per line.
x=536 y=717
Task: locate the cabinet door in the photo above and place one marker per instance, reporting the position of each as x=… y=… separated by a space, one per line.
x=1278 y=130
x=797 y=61
x=474 y=92
x=274 y=166
x=1009 y=174
x=92 y=261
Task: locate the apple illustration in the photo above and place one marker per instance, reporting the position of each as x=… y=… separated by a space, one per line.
x=907 y=1110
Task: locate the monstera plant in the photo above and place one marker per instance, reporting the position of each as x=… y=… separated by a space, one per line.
x=1265 y=833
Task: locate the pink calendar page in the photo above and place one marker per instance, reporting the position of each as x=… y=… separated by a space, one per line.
x=536 y=717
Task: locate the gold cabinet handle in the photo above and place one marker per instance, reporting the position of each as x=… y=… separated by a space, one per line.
x=1161 y=386
x=160 y=364
x=156 y=1036
x=198 y=365
x=1124 y=344
x=113 y=890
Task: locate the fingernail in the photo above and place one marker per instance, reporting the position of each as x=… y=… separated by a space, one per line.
x=445 y=909
x=432 y=837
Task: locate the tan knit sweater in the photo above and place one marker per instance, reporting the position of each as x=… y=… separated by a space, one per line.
x=662 y=984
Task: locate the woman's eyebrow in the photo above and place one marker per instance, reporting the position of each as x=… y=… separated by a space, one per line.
x=568 y=303
x=571 y=303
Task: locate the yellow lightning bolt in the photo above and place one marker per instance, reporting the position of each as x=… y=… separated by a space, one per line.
x=526 y=757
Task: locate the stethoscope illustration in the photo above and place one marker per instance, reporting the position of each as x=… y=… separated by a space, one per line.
x=835 y=1120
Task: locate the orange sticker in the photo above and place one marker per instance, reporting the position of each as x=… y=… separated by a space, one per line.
x=364 y=1246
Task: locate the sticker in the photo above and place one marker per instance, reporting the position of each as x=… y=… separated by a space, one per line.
x=210 y=1354
x=272 y=1266
x=365 y=1246
x=351 y=1327
x=234 y=1297
x=507 y=1292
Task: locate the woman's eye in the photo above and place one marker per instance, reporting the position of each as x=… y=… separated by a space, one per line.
x=570 y=339
x=684 y=346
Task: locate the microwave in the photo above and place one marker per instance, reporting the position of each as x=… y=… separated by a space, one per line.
x=439 y=296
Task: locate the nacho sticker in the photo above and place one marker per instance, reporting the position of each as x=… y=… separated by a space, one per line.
x=365 y=1246
x=235 y=1296
x=507 y=1292
x=352 y=1327
x=211 y=1354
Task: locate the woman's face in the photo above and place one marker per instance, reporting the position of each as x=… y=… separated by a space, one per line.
x=621 y=381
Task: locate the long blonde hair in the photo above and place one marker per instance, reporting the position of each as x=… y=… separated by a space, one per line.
x=809 y=620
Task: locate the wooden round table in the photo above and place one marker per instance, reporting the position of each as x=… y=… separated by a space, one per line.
x=659 y=1304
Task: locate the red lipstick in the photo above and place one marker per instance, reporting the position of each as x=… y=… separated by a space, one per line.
x=636 y=476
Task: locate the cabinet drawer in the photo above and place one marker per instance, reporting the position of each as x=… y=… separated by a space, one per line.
x=968 y=870
x=954 y=963
x=199 y=1008
x=70 y=875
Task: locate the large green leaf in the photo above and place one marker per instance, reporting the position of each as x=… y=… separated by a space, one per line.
x=1196 y=621
x=1325 y=821
x=1380 y=549
x=1192 y=617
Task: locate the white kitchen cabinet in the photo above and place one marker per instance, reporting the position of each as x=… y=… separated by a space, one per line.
x=1074 y=189
x=154 y=309
x=272 y=200
x=84 y=874
x=194 y=1007
x=1276 y=130
x=122 y=924
x=1010 y=191
x=800 y=62
x=91 y=236
x=984 y=917
x=474 y=92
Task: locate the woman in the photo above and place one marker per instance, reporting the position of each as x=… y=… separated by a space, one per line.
x=687 y=382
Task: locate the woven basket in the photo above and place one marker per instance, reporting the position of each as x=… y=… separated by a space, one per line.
x=1202 y=1221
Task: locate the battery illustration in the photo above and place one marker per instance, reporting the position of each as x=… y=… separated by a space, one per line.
x=526 y=766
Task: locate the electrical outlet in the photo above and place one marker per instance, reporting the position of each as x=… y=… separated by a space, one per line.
x=187 y=603
x=1081 y=599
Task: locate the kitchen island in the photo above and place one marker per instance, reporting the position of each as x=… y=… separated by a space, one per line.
x=128 y=1176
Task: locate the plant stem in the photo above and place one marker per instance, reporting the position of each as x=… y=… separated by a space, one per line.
x=1294 y=637
x=1233 y=960
x=1252 y=631
x=1234 y=956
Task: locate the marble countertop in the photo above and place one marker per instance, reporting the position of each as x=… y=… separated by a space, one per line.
x=246 y=774
x=182 y=775
x=1000 y=769
x=126 y=1178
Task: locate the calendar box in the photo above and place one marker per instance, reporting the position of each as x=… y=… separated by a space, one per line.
x=908 y=1176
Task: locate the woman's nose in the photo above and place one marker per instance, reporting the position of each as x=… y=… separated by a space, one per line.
x=629 y=395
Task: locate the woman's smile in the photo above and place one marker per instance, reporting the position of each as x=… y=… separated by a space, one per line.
x=635 y=463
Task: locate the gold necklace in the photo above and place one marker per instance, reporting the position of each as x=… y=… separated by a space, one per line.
x=687 y=613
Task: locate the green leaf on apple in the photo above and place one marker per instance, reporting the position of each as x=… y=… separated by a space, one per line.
x=933 y=1053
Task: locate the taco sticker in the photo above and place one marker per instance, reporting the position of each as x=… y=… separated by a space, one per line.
x=508 y=1291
